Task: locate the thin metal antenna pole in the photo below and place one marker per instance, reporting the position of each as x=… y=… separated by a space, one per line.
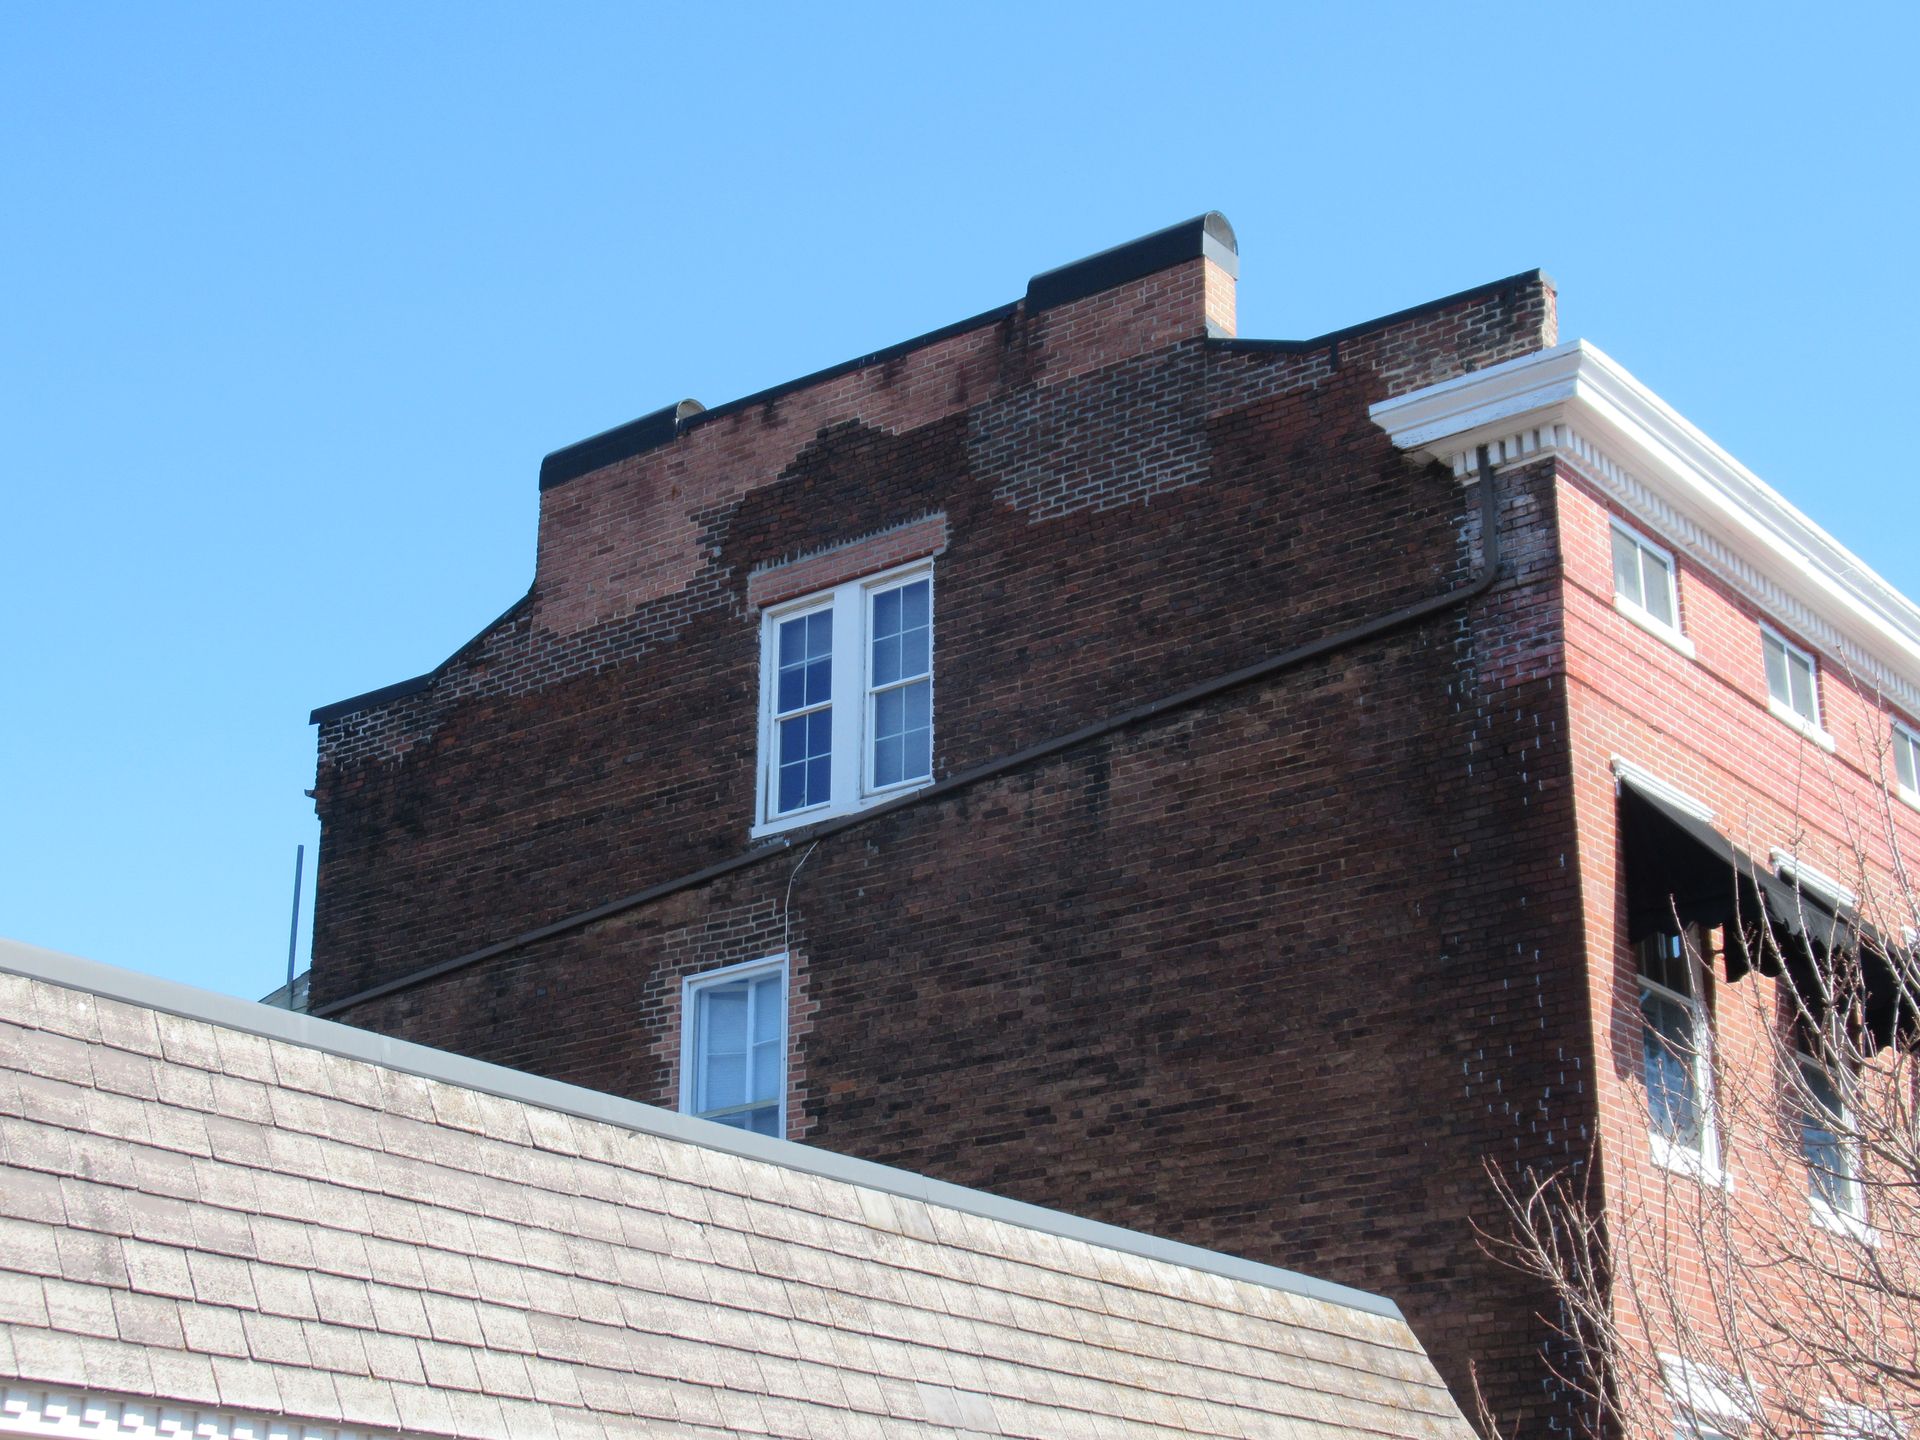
x=293 y=931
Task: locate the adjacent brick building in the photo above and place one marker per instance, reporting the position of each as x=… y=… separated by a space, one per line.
x=1089 y=756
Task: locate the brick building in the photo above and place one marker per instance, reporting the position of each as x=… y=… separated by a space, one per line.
x=1226 y=787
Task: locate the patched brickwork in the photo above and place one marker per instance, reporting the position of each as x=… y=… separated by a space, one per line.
x=1257 y=974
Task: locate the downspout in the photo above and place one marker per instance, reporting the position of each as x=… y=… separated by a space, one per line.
x=1193 y=695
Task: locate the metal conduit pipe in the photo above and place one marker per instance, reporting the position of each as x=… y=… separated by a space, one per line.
x=1192 y=695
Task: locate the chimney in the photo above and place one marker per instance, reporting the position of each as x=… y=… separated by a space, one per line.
x=1200 y=257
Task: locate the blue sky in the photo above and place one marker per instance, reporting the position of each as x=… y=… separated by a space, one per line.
x=297 y=297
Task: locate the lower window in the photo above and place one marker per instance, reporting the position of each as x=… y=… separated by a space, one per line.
x=733 y=1046
x=1675 y=1043
x=1827 y=1144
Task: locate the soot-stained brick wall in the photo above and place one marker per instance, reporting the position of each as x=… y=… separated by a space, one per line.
x=1276 y=973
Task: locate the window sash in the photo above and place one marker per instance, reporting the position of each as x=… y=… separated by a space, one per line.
x=1832 y=1156
x=1643 y=577
x=1791 y=678
x=733 y=1047
x=819 y=742
x=1906 y=760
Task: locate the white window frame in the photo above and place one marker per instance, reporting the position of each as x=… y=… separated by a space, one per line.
x=1850 y=1221
x=690 y=990
x=1906 y=742
x=1708 y=1403
x=851 y=787
x=1637 y=612
x=1702 y=1160
x=1782 y=710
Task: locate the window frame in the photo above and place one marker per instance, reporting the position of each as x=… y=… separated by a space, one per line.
x=691 y=988
x=850 y=787
x=1850 y=1220
x=1906 y=741
x=1636 y=610
x=1783 y=710
x=1701 y=1159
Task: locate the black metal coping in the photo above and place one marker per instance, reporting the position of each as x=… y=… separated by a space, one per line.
x=632 y=438
x=1208 y=235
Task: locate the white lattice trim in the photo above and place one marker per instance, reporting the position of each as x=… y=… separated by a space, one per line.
x=40 y=1410
x=1575 y=403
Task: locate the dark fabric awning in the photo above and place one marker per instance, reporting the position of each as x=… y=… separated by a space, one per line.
x=1679 y=865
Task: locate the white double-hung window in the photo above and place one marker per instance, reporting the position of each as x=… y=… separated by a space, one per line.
x=1793 y=685
x=1676 y=1051
x=733 y=1046
x=1643 y=586
x=1828 y=1146
x=1906 y=763
x=846 y=698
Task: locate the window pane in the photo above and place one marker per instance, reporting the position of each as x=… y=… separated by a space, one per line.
x=1777 y=685
x=1626 y=568
x=793 y=738
x=914 y=651
x=819 y=634
x=764 y=1121
x=793 y=690
x=820 y=733
x=887 y=761
x=915 y=605
x=793 y=641
x=886 y=659
x=1659 y=587
x=793 y=787
x=766 y=1071
x=819 y=681
x=916 y=761
x=819 y=781
x=766 y=1009
x=919 y=705
x=1823 y=1142
x=726 y=1017
x=724 y=1081
x=1903 y=758
x=1669 y=1059
x=1801 y=670
x=889 y=713
x=886 y=613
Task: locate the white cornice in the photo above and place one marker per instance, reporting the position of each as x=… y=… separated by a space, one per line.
x=40 y=1410
x=1575 y=402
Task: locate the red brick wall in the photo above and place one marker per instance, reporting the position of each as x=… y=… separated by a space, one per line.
x=1703 y=725
x=1277 y=974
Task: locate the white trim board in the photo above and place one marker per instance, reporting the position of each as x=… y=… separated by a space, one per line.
x=1576 y=403
x=53 y=1411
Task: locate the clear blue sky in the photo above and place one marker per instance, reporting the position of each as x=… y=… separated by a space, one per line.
x=297 y=297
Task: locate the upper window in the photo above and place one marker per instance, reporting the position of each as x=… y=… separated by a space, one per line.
x=1675 y=1046
x=1643 y=585
x=1792 y=683
x=1906 y=762
x=847 y=707
x=733 y=1046
x=1827 y=1143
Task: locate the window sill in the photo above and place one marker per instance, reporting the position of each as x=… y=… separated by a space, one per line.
x=1786 y=715
x=1684 y=1161
x=1838 y=1222
x=1654 y=626
x=820 y=814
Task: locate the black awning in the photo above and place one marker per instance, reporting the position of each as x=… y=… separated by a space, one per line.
x=1679 y=865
